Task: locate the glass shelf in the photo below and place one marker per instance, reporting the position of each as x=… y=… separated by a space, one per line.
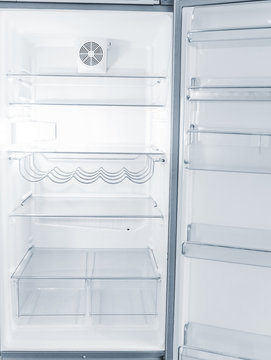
x=228 y=244
x=88 y=207
x=258 y=89
x=93 y=105
x=48 y=263
x=231 y=34
x=114 y=152
x=107 y=264
x=203 y=342
x=88 y=167
x=82 y=90
x=229 y=151
x=55 y=282
x=124 y=264
x=25 y=75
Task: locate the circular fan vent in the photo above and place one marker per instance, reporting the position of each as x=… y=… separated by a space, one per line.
x=91 y=53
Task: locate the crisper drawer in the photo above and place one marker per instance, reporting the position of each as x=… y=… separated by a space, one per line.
x=123 y=297
x=61 y=282
x=51 y=297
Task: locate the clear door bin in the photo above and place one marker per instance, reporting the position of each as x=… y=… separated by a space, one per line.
x=51 y=297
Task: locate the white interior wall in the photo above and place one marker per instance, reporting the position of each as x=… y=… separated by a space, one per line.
x=129 y=44
x=133 y=126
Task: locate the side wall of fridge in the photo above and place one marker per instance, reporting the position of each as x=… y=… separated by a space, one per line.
x=224 y=234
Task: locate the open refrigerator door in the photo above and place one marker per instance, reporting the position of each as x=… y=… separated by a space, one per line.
x=224 y=233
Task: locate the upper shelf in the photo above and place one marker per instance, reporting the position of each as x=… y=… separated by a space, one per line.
x=86 y=90
x=228 y=244
x=105 y=152
x=230 y=90
x=32 y=76
x=230 y=34
x=88 y=207
x=210 y=342
x=111 y=264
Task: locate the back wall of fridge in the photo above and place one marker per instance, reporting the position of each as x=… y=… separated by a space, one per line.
x=85 y=120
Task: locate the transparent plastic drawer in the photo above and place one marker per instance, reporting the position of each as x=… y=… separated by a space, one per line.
x=124 y=282
x=123 y=297
x=57 y=282
x=51 y=297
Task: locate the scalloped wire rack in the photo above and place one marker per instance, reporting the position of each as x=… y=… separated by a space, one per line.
x=30 y=171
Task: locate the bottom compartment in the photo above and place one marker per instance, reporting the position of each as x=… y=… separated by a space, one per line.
x=78 y=282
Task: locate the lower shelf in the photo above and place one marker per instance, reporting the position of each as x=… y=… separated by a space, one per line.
x=228 y=244
x=88 y=207
x=82 y=282
x=203 y=342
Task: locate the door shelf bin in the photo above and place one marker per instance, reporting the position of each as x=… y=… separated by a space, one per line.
x=229 y=89
x=228 y=244
x=235 y=34
x=59 y=282
x=204 y=342
x=231 y=152
x=123 y=297
x=51 y=297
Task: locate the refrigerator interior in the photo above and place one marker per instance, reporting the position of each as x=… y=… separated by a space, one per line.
x=223 y=301
x=85 y=149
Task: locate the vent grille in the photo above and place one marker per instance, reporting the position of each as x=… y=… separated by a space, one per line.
x=91 y=53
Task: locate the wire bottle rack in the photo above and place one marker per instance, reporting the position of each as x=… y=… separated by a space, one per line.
x=137 y=168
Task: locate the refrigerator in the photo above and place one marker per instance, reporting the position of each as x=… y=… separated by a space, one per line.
x=135 y=198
